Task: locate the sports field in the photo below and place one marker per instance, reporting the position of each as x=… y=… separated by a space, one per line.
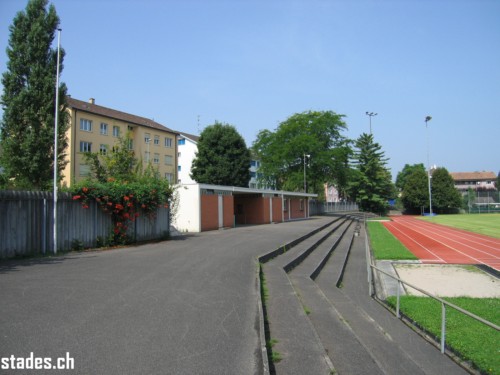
x=488 y=224
x=435 y=243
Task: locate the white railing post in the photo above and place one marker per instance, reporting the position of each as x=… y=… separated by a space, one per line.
x=397 y=300
x=443 y=327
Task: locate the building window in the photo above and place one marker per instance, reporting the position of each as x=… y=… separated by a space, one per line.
x=130 y=144
x=157 y=140
x=85 y=125
x=169 y=160
x=116 y=131
x=147 y=156
x=85 y=146
x=168 y=142
x=178 y=154
x=84 y=170
x=103 y=149
x=285 y=205
x=301 y=205
x=147 y=137
x=104 y=128
x=181 y=141
x=156 y=159
x=169 y=177
x=178 y=168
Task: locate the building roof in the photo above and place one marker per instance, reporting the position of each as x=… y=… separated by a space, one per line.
x=473 y=176
x=192 y=137
x=93 y=108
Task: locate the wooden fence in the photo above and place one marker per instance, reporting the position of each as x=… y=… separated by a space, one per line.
x=26 y=224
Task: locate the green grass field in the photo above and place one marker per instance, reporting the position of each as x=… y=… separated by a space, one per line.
x=474 y=341
x=488 y=224
x=385 y=245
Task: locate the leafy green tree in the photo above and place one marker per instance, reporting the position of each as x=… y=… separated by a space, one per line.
x=415 y=193
x=122 y=189
x=118 y=164
x=222 y=158
x=371 y=186
x=498 y=181
x=310 y=140
x=28 y=99
x=405 y=173
x=445 y=197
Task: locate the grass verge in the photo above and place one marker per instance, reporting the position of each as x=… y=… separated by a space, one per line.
x=488 y=224
x=473 y=341
x=272 y=355
x=385 y=245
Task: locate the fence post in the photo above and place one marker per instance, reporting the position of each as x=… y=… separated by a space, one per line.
x=397 y=300
x=443 y=326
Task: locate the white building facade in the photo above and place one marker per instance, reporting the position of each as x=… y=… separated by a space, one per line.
x=187 y=147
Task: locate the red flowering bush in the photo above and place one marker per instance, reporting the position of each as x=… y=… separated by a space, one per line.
x=124 y=201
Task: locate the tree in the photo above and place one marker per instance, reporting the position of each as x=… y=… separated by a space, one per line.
x=445 y=197
x=222 y=158
x=120 y=187
x=415 y=193
x=119 y=164
x=370 y=185
x=28 y=99
x=308 y=140
x=405 y=173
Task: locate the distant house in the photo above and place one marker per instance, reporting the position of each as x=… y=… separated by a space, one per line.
x=94 y=128
x=187 y=147
x=474 y=180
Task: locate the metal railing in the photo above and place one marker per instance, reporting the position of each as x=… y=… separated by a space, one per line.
x=444 y=304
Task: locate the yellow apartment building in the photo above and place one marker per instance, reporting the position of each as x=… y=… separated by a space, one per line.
x=94 y=128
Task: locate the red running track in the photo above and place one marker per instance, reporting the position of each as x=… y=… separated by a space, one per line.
x=434 y=243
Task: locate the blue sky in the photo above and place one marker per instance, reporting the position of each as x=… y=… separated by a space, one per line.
x=254 y=63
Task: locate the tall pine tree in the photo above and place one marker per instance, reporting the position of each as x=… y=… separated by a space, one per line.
x=370 y=185
x=28 y=99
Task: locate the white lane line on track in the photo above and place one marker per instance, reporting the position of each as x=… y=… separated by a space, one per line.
x=425 y=228
x=457 y=233
x=450 y=247
x=418 y=243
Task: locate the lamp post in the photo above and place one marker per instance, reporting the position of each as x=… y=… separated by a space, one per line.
x=427 y=119
x=371 y=114
x=305 y=186
x=55 y=140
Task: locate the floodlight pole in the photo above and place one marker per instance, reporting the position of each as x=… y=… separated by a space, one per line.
x=371 y=114
x=305 y=185
x=56 y=121
x=427 y=119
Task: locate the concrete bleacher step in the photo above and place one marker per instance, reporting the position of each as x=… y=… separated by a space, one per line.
x=345 y=350
x=336 y=263
x=293 y=335
x=292 y=256
x=322 y=253
x=392 y=345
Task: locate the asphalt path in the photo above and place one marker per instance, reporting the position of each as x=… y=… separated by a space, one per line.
x=184 y=306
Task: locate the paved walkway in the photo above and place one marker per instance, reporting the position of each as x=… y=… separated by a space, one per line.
x=190 y=306
x=185 y=306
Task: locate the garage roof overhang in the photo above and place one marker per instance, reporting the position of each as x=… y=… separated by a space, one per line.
x=235 y=190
